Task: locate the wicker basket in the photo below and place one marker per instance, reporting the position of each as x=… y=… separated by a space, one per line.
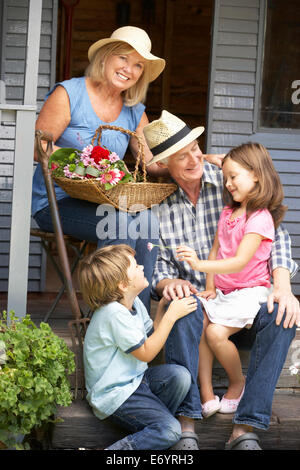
x=128 y=197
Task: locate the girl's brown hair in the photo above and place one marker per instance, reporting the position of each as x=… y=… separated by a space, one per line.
x=101 y=272
x=268 y=191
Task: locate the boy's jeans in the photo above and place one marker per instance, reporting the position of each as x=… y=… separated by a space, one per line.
x=105 y=225
x=149 y=411
x=269 y=346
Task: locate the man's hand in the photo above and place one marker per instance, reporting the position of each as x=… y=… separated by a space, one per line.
x=288 y=304
x=215 y=158
x=178 y=288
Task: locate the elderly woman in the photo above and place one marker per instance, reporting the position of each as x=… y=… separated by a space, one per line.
x=120 y=70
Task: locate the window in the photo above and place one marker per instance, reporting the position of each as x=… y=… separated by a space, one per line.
x=280 y=88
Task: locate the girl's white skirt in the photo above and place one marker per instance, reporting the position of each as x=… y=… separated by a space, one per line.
x=238 y=308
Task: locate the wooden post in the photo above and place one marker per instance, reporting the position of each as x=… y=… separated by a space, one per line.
x=166 y=81
x=23 y=169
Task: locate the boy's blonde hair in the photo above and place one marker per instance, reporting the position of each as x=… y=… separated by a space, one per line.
x=101 y=272
x=135 y=94
x=268 y=191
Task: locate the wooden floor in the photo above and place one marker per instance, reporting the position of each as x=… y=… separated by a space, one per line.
x=81 y=429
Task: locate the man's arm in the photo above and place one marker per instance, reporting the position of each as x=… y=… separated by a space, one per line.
x=283 y=268
x=287 y=302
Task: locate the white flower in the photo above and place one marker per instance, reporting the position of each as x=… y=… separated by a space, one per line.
x=294 y=369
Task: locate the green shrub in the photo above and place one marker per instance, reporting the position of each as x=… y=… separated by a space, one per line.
x=34 y=368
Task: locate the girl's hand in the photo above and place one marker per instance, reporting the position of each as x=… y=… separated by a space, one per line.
x=179 y=308
x=208 y=294
x=185 y=253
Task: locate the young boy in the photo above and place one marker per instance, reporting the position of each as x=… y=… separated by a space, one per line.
x=119 y=342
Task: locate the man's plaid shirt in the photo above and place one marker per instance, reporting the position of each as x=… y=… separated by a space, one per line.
x=183 y=223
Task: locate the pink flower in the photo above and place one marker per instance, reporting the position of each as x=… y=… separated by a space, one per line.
x=86 y=152
x=54 y=165
x=113 y=157
x=68 y=173
x=150 y=246
x=112 y=176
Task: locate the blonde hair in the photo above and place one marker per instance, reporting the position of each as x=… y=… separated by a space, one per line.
x=134 y=95
x=268 y=191
x=101 y=272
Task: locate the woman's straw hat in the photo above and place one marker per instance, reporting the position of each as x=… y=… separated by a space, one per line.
x=168 y=135
x=139 y=40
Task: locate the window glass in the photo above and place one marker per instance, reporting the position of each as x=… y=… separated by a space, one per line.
x=280 y=90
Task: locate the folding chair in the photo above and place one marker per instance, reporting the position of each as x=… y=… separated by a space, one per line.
x=78 y=326
x=77 y=329
x=64 y=271
x=48 y=239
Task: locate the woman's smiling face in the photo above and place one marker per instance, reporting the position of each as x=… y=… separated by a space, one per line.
x=122 y=71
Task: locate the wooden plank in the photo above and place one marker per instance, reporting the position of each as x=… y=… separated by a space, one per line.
x=224 y=76
x=241 y=52
x=81 y=429
x=235 y=115
x=239 y=13
x=232 y=64
x=231 y=25
x=241 y=3
x=232 y=127
x=238 y=39
x=233 y=102
x=225 y=89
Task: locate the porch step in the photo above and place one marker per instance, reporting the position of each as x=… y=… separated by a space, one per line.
x=81 y=429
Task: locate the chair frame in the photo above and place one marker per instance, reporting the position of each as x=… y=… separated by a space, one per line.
x=78 y=326
x=43 y=157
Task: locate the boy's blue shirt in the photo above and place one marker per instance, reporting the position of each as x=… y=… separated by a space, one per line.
x=112 y=374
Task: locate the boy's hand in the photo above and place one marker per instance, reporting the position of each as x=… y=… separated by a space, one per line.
x=185 y=253
x=179 y=308
x=163 y=301
x=208 y=294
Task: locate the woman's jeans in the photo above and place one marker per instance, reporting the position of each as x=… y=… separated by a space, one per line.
x=149 y=411
x=269 y=346
x=105 y=225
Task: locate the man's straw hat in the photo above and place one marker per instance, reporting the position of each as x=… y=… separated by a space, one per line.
x=168 y=135
x=139 y=40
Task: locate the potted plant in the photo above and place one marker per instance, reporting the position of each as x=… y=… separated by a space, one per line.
x=34 y=368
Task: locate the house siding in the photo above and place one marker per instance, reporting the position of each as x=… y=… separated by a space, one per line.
x=13 y=53
x=233 y=102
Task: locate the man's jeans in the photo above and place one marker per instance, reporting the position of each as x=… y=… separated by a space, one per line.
x=149 y=411
x=105 y=225
x=269 y=346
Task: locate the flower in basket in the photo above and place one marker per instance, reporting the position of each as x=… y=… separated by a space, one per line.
x=93 y=162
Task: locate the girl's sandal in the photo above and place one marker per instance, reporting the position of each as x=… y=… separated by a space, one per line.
x=211 y=407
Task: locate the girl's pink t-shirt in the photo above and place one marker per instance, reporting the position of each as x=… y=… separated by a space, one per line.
x=230 y=234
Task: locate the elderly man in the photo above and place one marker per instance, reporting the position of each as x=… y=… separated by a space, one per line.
x=190 y=216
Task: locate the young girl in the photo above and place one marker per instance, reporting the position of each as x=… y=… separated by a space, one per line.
x=239 y=257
